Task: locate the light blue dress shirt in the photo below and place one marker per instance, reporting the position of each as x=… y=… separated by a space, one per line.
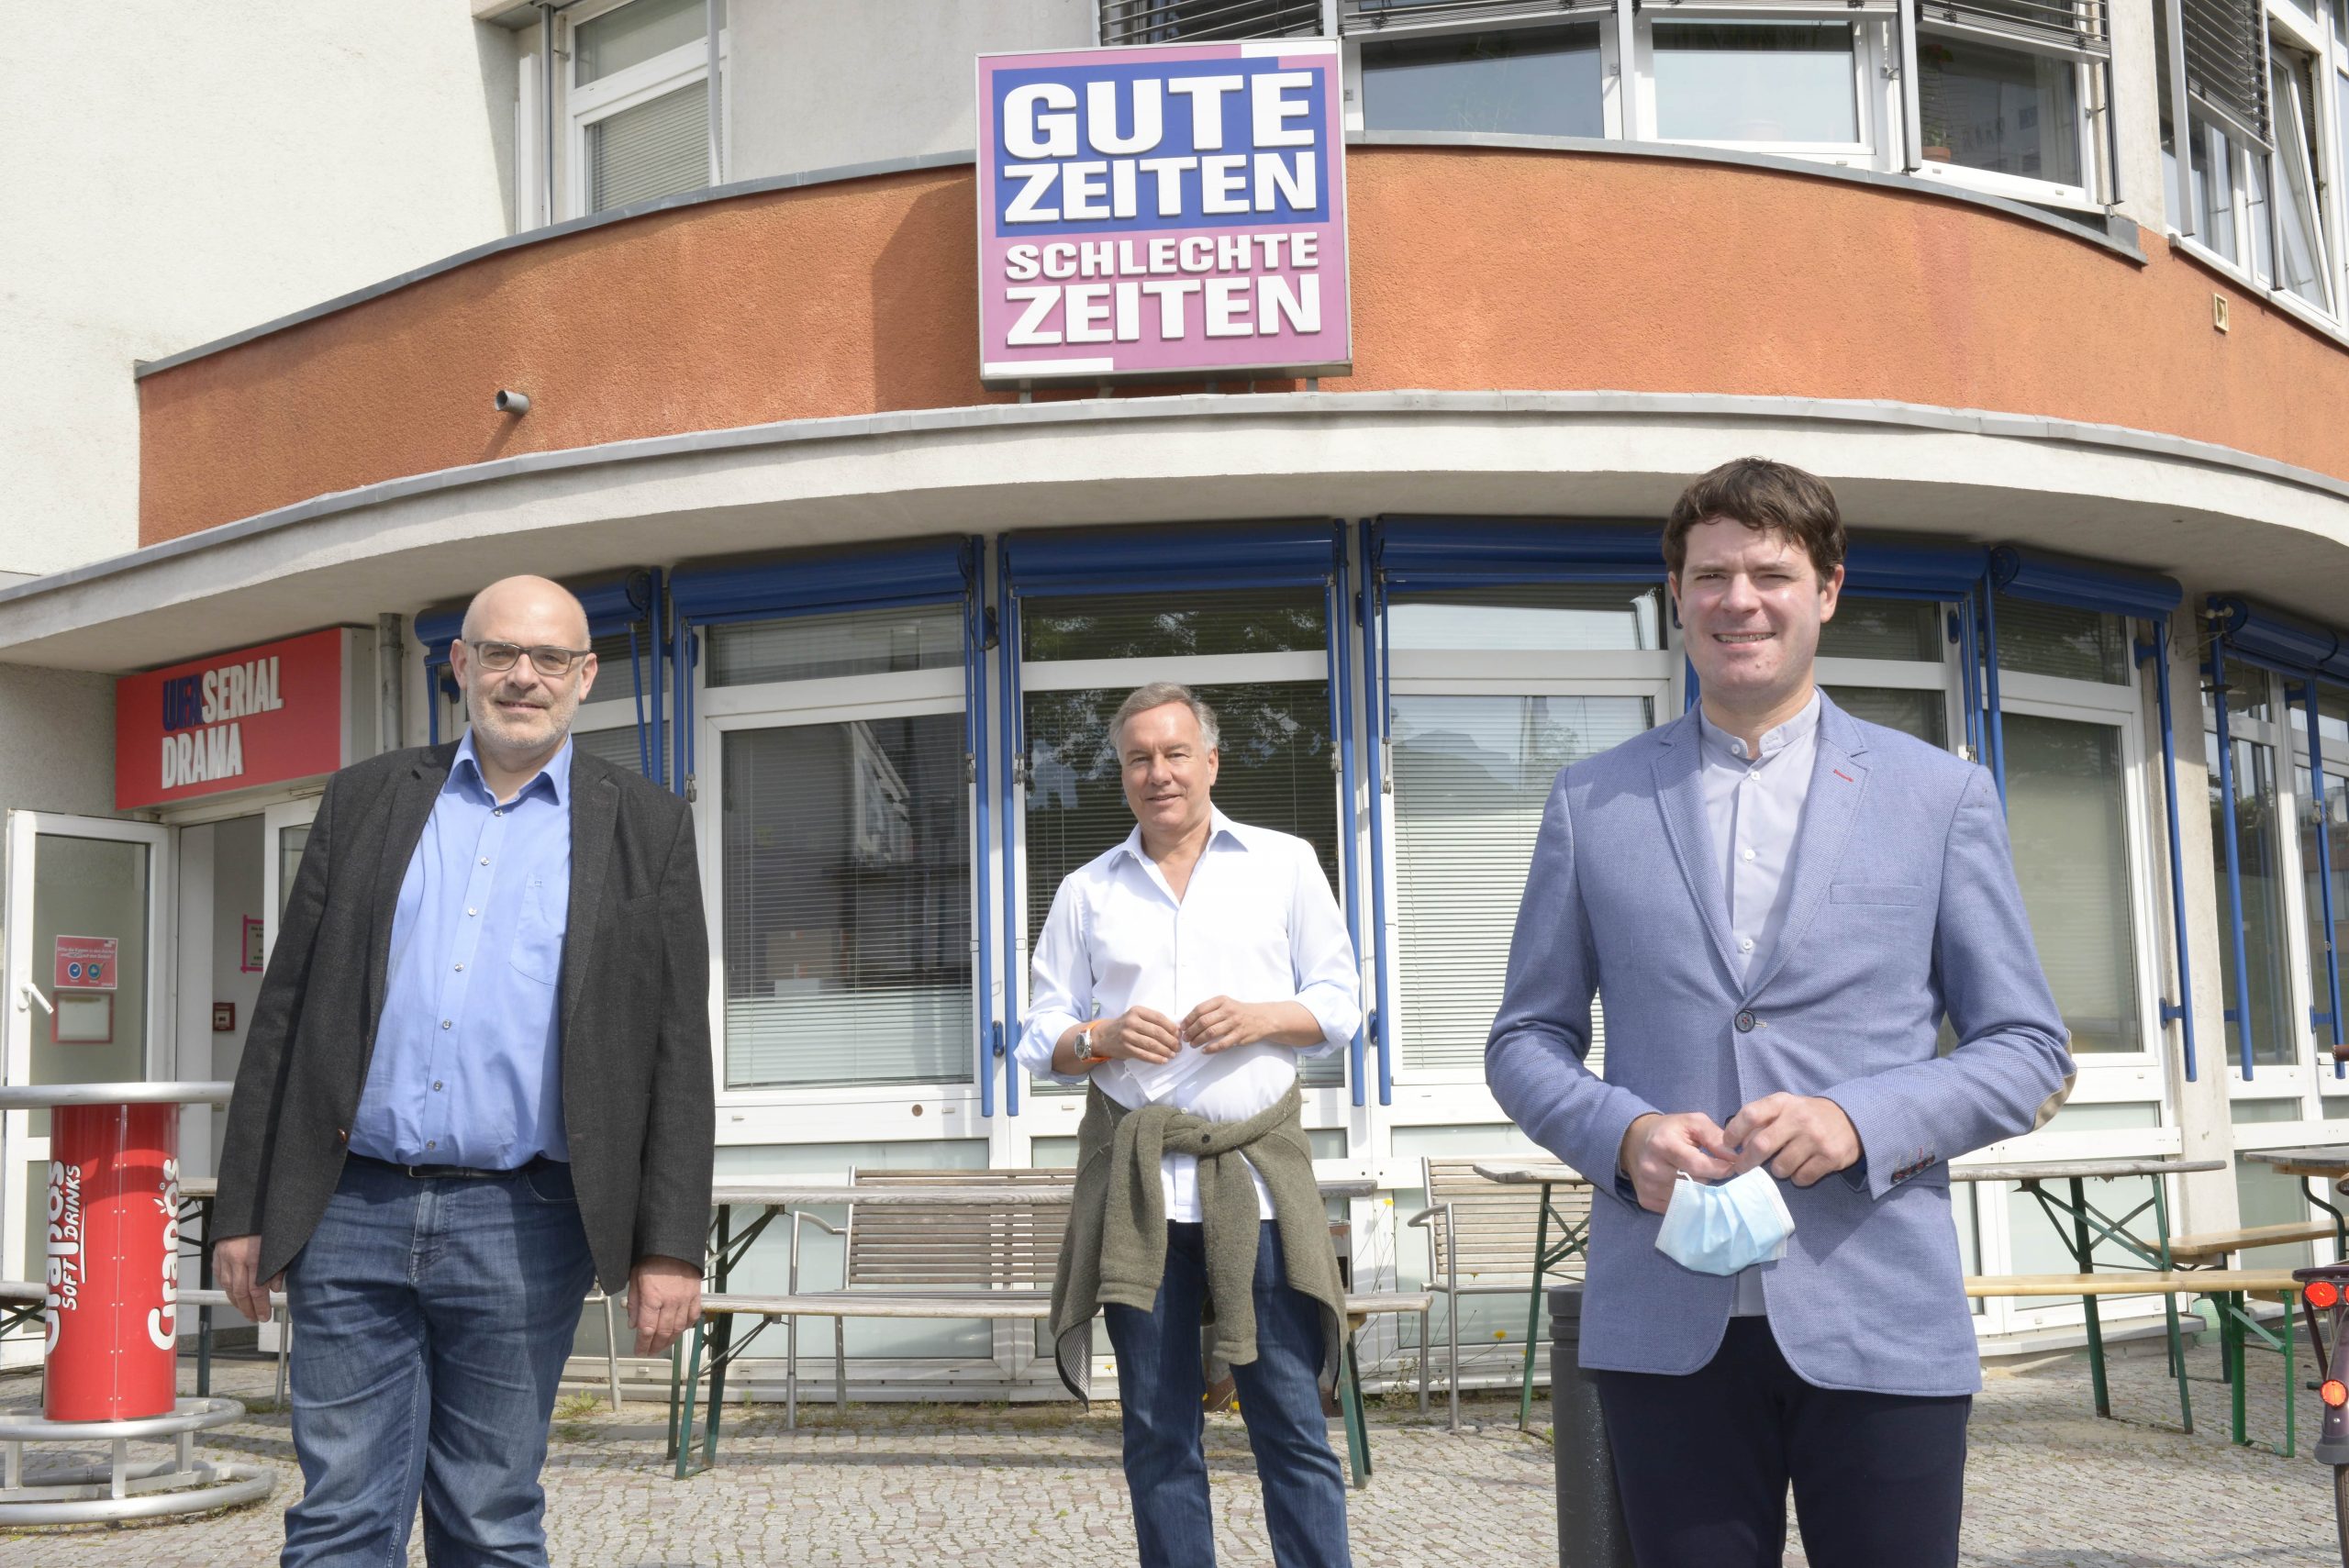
x=467 y=1069
x=1754 y=805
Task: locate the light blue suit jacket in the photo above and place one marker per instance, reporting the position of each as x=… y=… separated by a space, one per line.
x=1901 y=907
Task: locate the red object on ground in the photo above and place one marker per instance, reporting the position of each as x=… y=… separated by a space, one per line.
x=113 y=1260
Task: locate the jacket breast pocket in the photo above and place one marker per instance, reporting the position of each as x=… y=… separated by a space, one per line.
x=536 y=948
x=1895 y=893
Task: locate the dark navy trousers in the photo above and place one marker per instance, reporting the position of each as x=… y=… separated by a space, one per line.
x=1705 y=1462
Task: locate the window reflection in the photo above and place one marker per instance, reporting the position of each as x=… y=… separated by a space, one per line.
x=1763 y=82
x=1998 y=109
x=1561 y=617
x=2325 y=871
x=1521 y=81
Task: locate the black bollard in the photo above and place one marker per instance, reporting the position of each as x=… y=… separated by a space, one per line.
x=1591 y=1533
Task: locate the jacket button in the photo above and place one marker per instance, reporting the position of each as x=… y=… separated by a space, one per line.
x=1745 y=1022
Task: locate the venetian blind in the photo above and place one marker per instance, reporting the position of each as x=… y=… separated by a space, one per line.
x=846 y=852
x=1472 y=775
x=1370 y=16
x=2226 y=61
x=1169 y=21
x=2072 y=25
x=654 y=149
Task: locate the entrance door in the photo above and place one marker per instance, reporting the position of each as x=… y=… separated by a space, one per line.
x=88 y=992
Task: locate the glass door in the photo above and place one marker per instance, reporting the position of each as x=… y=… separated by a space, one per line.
x=285 y=833
x=88 y=940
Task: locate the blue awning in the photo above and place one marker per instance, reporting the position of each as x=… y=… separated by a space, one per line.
x=2280 y=641
x=608 y=604
x=1914 y=569
x=925 y=572
x=1173 y=558
x=1433 y=553
x=2083 y=585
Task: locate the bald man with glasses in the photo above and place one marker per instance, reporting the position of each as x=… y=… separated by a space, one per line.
x=477 y=1081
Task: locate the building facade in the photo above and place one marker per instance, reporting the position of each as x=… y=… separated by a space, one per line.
x=2081 y=400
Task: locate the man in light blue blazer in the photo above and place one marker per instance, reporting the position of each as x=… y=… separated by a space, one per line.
x=1778 y=905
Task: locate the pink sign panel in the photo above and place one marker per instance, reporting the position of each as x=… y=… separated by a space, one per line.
x=1174 y=211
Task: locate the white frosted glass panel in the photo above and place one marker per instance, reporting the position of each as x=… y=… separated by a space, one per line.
x=2067 y=815
x=1769 y=82
x=1471 y=777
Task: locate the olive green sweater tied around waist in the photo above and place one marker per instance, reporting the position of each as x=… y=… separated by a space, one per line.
x=1115 y=1250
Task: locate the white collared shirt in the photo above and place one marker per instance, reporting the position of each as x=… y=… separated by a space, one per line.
x=1753 y=806
x=1256 y=923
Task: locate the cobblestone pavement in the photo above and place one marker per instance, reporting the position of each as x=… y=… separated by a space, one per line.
x=1038 y=1486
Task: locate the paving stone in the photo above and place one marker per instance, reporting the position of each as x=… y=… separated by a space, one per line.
x=2049 y=1485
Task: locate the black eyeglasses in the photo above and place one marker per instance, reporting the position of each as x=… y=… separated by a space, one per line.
x=552 y=662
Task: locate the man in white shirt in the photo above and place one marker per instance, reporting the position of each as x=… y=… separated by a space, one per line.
x=1183 y=972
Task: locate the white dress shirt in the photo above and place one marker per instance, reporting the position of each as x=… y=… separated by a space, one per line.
x=1255 y=923
x=1754 y=805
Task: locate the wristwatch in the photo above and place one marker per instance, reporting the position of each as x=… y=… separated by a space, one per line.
x=1087 y=1056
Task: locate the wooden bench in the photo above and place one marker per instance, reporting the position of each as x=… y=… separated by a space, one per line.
x=1482 y=1238
x=911 y=1261
x=2217 y=1246
x=2227 y=1287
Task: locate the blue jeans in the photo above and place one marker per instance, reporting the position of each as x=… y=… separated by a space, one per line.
x=431 y=1319
x=1161 y=1384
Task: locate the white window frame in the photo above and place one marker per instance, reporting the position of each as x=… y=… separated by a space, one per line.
x=803 y=1113
x=586 y=103
x=2089 y=88
x=1875 y=97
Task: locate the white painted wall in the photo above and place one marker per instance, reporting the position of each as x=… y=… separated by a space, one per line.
x=177 y=172
x=58 y=751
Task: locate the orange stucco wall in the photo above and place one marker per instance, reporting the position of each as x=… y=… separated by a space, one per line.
x=1473 y=269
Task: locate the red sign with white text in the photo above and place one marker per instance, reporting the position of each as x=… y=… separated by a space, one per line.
x=85 y=963
x=257 y=716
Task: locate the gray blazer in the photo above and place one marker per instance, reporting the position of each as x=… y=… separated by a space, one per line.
x=637 y=1098
x=1902 y=908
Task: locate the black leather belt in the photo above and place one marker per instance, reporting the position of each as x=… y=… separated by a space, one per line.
x=463 y=1173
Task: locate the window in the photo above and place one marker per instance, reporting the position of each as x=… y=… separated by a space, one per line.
x=1548 y=82
x=638 y=102
x=844 y=849
x=1882 y=662
x=1494 y=690
x=2264 y=982
x=2002 y=111
x=2070 y=644
x=2297 y=222
x=1472 y=775
x=1763 y=83
x=1256 y=656
x=2068 y=814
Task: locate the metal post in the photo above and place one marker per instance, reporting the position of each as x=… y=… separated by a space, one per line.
x=974 y=708
x=1533 y=1316
x=2083 y=1252
x=391 y=718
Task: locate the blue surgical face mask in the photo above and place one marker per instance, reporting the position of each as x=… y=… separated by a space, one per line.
x=1726 y=1229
